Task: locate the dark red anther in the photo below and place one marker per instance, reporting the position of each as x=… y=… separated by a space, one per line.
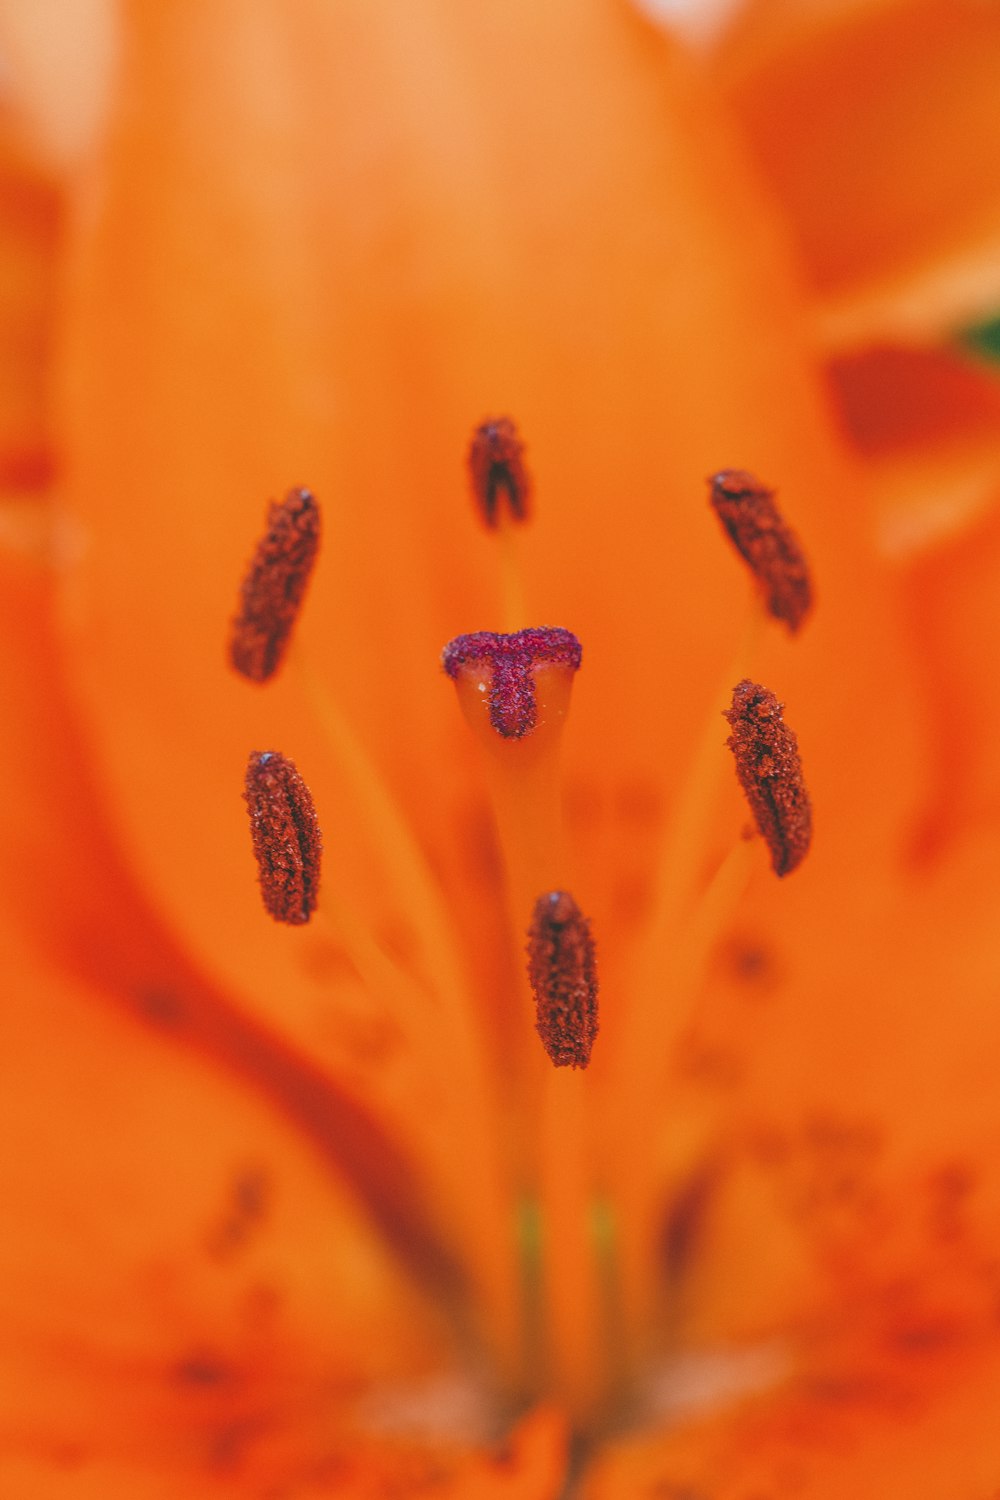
x=770 y=772
x=274 y=586
x=562 y=971
x=286 y=839
x=511 y=660
x=497 y=471
x=766 y=543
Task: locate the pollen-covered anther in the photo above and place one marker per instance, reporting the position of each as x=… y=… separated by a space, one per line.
x=767 y=759
x=286 y=838
x=507 y=664
x=766 y=543
x=274 y=585
x=562 y=971
x=497 y=472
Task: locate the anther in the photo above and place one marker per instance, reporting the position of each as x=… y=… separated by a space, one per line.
x=505 y=666
x=273 y=588
x=767 y=759
x=562 y=971
x=286 y=839
x=497 y=471
x=766 y=543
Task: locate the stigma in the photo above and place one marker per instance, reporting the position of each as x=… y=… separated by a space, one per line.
x=769 y=770
x=766 y=542
x=284 y=829
x=501 y=670
x=274 y=585
x=497 y=473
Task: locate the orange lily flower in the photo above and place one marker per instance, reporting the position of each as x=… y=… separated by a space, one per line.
x=297 y=1210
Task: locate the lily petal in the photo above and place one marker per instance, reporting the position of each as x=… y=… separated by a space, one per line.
x=875 y=126
x=927 y=424
x=60 y=61
x=920 y=1427
x=29 y=239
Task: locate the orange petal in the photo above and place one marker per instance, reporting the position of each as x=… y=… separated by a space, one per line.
x=63 y=880
x=951 y=599
x=927 y=424
x=59 y=69
x=832 y=1189
x=188 y=1293
x=29 y=233
x=875 y=126
x=922 y=1428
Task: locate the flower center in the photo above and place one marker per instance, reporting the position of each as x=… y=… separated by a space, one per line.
x=558 y=1226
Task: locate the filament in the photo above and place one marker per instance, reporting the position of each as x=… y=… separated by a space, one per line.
x=669 y=971
x=482 y=1200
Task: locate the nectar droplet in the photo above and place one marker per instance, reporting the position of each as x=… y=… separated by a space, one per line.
x=287 y=843
x=769 y=769
x=274 y=586
x=766 y=542
x=562 y=971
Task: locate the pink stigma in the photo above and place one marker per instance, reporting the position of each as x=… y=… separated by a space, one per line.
x=511 y=660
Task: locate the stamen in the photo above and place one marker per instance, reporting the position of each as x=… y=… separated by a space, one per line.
x=509 y=662
x=273 y=588
x=286 y=837
x=562 y=970
x=766 y=543
x=496 y=468
x=770 y=772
